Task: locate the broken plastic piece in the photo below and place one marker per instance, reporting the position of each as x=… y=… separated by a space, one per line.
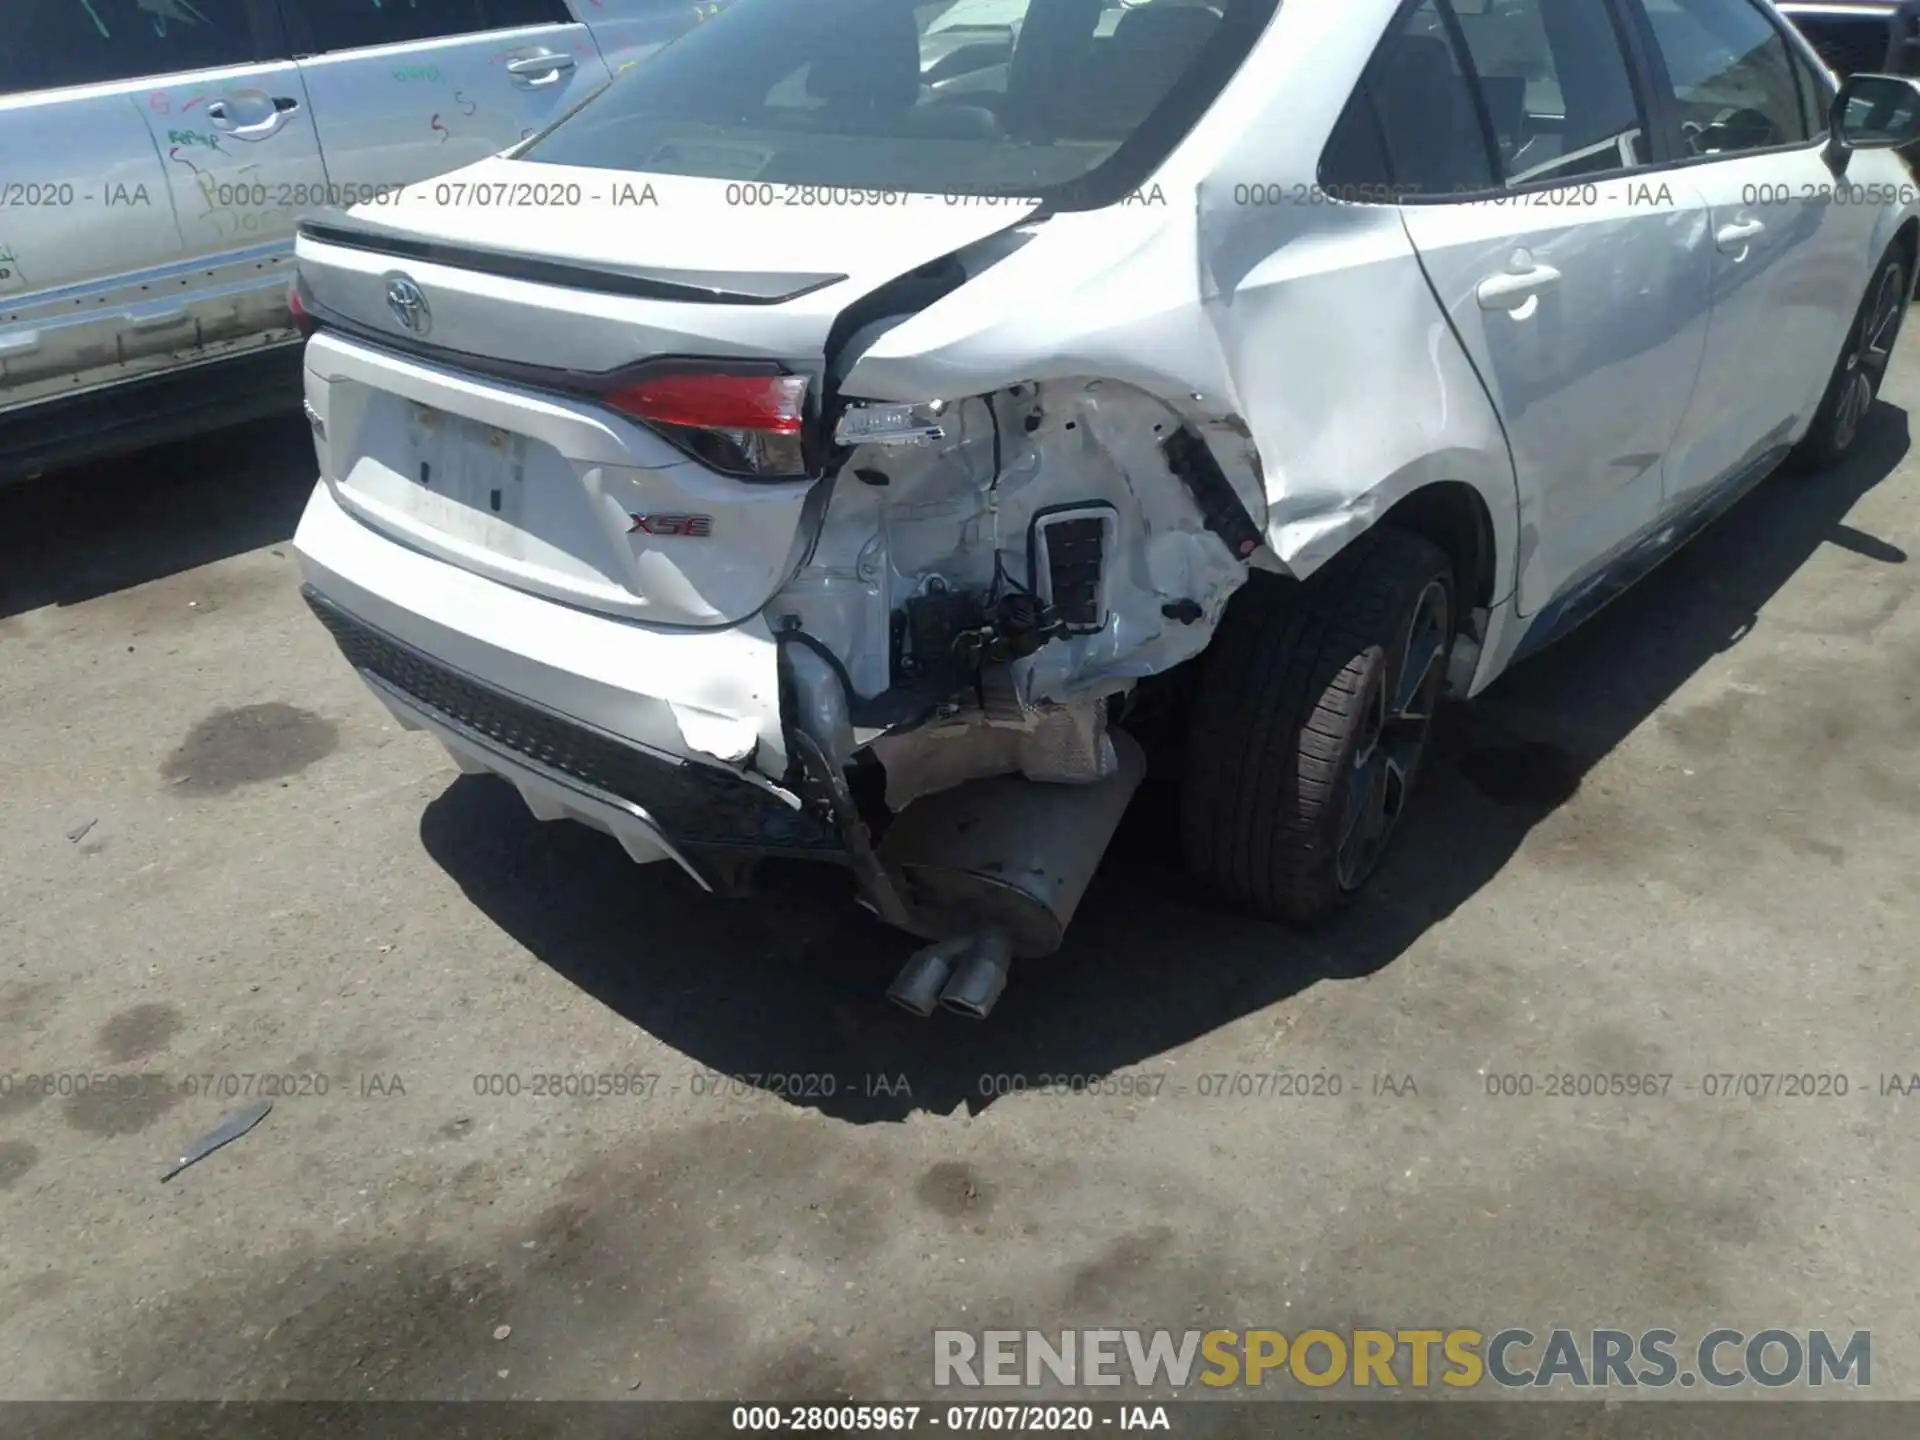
x=229 y=1131
x=1189 y=458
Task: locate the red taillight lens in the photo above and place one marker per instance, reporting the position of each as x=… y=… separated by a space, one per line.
x=717 y=402
x=747 y=425
x=302 y=320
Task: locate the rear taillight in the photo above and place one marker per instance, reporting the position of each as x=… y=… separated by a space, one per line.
x=302 y=319
x=746 y=425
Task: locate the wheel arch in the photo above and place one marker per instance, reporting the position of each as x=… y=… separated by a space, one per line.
x=1907 y=238
x=1454 y=516
x=1463 y=498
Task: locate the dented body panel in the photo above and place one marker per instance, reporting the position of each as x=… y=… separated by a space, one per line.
x=740 y=522
x=1134 y=382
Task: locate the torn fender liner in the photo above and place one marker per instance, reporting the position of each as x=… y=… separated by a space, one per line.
x=694 y=804
x=1190 y=459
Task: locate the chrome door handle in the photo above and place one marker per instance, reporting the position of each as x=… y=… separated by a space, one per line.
x=1735 y=236
x=285 y=108
x=552 y=66
x=1516 y=290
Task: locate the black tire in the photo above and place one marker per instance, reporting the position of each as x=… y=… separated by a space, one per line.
x=1294 y=703
x=1861 y=368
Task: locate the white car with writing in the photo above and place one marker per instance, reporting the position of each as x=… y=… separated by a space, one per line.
x=156 y=154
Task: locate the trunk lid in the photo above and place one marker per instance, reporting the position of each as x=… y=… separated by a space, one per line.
x=471 y=419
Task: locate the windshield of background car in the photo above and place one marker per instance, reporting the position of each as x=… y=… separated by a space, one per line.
x=1072 y=102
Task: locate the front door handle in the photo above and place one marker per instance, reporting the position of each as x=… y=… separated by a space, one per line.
x=285 y=107
x=1733 y=237
x=550 y=67
x=1517 y=290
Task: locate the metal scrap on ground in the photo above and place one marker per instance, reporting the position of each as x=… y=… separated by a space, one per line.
x=231 y=1129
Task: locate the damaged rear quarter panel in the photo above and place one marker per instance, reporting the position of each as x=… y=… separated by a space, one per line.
x=1300 y=339
x=1085 y=387
x=1330 y=384
x=1356 y=390
x=903 y=517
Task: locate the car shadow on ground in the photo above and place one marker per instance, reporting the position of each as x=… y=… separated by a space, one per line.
x=788 y=987
x=74 y=535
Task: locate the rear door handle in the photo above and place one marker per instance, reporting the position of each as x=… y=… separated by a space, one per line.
x=285 y=107
x=552 y=67
x=1517 y=291
x=1734 y=236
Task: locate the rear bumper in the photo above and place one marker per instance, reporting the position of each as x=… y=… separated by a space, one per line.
x=596 y=719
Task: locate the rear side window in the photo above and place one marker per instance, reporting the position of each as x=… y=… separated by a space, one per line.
x=1474 y=95
x=331 y=25
x=1418 y=104
x=49 y=44
x=1732 y=75
x=1070 y=101
x=1558 y=93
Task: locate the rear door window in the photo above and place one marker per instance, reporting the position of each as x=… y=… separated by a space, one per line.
x=51 y=44
x=1732 y=75
x=1557 y=88
x=1425 y=111
x=1469 y=96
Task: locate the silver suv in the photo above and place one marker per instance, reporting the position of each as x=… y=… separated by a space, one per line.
x=155 y=156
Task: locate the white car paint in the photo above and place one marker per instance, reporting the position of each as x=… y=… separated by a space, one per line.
x=1586 y=368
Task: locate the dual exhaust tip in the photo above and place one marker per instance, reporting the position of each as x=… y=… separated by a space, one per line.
x=963 y=976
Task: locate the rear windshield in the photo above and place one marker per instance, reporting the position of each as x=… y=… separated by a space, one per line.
x=1073 y=102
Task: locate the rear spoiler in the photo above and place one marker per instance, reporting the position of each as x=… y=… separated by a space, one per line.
x=697 y=287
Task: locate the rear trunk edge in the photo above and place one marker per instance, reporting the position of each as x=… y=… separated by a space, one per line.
x=535 y=321
x=532 y=318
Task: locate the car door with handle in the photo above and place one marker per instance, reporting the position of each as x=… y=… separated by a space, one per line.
x=242 y=160
x=407 y=89
x=97 y=283
x=1571 y=267
x=1789 y=253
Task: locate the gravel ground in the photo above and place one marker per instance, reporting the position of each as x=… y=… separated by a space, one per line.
x=1682 y=843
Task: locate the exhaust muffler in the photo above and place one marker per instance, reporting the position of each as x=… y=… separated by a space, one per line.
x=1003 y=862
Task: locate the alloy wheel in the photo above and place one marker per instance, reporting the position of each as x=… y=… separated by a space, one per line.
x=1398 y=718
x=1867 y=358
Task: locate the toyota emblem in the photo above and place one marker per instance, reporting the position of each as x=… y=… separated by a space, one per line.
x=408 y=304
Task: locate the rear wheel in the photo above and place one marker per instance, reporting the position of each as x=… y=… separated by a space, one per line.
x=1311 y=724
x=1861 y=368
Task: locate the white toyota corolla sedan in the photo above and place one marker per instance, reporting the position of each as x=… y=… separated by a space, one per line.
x=835 y=437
